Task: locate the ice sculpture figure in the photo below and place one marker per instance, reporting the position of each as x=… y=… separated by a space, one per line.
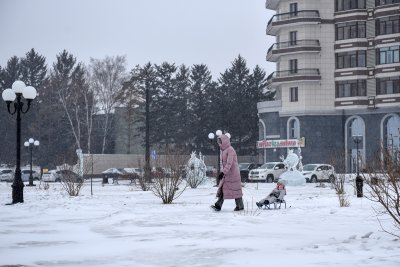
x=292 y=176
x=195 y=170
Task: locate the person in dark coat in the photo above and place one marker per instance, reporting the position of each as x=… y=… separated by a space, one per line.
x=230 y=185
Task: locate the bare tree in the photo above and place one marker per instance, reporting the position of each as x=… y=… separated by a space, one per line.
x=382 y=177
x=89 y=101
x=107 y=77
x=69 y=81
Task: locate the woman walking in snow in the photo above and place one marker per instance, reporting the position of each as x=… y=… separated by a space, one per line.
x=230 y=186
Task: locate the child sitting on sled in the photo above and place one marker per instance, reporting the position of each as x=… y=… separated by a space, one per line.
x=276 y=195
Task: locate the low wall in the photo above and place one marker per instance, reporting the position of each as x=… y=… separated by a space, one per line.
x=97 y=163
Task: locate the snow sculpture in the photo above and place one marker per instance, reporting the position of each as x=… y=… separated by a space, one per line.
x=292 y=176
x=195 y=170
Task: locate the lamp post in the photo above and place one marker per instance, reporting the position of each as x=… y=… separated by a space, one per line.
x=15 y=95
x=359 y=181
x=211 y=137
x=31 y=143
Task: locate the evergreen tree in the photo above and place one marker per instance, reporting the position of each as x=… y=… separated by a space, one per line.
x=257 y=93
x=200 y=100
x=33 y=70
x=183 y=131
x=232 y=102
x=165 y=99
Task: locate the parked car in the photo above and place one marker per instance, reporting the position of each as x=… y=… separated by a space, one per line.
x=50 y=176
x=113 y=173
x=314 y=173
x=268 y=172
x=6 y=175
x=61 y=175
x=245 y=168
x=26 y=173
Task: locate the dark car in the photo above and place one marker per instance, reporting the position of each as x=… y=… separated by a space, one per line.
x=68 y=176
x=245 y=169
x=113 y=173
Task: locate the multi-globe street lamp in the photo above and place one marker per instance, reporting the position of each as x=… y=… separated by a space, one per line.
x=359 y=181
x=211 y=137
x=30 y=144
x=14 y=95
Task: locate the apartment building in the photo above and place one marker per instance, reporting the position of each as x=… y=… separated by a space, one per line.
x=337 y=80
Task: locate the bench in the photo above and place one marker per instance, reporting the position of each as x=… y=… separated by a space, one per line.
x=130 y=177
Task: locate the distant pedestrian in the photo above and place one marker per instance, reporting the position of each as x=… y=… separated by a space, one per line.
x=230 y=186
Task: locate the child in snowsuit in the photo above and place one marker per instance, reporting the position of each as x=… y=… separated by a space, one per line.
x=276 y=195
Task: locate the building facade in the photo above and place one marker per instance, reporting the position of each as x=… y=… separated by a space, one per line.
x=337 y=79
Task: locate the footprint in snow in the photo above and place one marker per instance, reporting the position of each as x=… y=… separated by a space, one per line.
x=367 y=235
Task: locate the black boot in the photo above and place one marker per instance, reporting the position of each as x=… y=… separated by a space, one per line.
x=239 y=204
x=215 y=208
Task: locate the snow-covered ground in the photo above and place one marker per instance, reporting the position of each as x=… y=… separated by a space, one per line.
x=122 y=226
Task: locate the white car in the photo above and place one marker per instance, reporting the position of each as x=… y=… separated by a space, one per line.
x=314 y=173
x=51 y=176
x=268 y=172
x=6 y=175
x=26 y=173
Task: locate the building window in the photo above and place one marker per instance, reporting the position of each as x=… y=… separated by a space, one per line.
x=349 y=30
x=385 y=2
x=294 y=94
x=387 y=25
x=350 y=59
x=294 y=128
x=293 y=9
x=351 y=88
x=342 y=5
x=387 y=55
x=293 y=38
x=293 y=66
x=389 y=85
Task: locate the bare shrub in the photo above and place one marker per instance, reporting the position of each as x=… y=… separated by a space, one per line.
x=382 y=177
x=337 y=160
x=141 y=180
x=167 y=181
x=72 y=182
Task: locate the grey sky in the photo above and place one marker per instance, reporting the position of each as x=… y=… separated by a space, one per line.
x=212 y=32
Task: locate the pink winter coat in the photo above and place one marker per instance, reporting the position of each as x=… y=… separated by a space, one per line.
x=231 y=183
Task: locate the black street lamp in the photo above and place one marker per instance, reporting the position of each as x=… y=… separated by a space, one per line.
x=359 y=181
x=211 y=137
x=15 y=95
x=30 y=144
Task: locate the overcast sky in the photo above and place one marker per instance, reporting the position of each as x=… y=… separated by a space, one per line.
x=212 y=32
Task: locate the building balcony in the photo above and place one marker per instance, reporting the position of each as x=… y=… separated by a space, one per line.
x=292 y=47
x=284 y=19
x=272 y=4
x=269 y=106
x=286 y=76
